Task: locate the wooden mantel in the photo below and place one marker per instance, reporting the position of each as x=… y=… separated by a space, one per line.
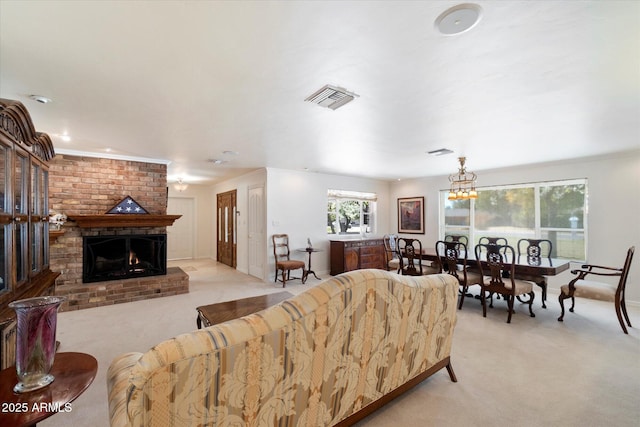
x=123 y=220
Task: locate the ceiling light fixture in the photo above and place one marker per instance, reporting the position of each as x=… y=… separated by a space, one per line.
x=40 y=99
x=463 y=184
x=216 y=161
x=180 y=186
x=458 y=19
x=331 y=97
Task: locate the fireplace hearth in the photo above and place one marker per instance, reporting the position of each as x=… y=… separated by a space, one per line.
x=123 y=256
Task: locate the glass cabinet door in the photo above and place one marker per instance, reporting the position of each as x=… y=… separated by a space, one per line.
x=35 y=254
x=21 y=216
x=44 y=212
x=5 y=217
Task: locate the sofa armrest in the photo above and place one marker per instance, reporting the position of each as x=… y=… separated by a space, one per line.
x=118 y=381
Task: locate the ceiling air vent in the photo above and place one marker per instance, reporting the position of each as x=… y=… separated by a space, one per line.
x=331 y=97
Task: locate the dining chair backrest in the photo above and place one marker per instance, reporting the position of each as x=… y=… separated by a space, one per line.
x=392 y=259
x=453 y=258
x=391 y=246
x=534 y=250
x=410 y=256
x=497 y=262
x=281 y=250
x=457 y=238
x=484 y=240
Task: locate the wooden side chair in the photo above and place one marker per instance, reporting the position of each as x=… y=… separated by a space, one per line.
x=497 y=266
x=392 y=259
x=453 y=259
x=283 y=261
x=533 y=251
x=410 y=252
x=581 y=287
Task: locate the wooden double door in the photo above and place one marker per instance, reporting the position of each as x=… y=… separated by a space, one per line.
x=227 y=228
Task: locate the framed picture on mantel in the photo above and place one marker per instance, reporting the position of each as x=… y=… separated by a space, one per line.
x=411 y=215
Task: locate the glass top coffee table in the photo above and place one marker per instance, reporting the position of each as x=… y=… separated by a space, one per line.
x=213 y=314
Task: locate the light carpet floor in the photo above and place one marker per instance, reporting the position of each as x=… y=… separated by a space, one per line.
x=532 y=372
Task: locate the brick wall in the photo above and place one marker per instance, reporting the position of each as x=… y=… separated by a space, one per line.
x=92 y=186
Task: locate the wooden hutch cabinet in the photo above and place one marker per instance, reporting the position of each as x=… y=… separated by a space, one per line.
x=347 y=255
x=24 y=217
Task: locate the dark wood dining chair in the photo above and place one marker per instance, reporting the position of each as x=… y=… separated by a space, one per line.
x=410 y=252
x=497 y=266
x=457 y=238
x=453 y=259
x=284 y=263
x=581 y=287
x=392 y=259
x=533 y=251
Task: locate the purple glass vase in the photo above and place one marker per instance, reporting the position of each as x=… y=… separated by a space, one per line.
x=35 y=341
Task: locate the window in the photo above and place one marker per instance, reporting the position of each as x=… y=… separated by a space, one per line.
x=546 y=210
x=350 y=212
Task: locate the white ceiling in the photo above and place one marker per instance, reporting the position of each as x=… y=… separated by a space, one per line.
x=183 y=81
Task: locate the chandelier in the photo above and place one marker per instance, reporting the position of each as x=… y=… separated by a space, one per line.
x=180 y=185
x=463 y=184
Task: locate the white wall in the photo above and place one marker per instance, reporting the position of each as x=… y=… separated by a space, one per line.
x=613 y=206
x=297 y=206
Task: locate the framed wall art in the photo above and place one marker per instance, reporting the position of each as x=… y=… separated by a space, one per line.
x=411 y=215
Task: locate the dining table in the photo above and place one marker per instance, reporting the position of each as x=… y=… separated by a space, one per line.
x=534 y=270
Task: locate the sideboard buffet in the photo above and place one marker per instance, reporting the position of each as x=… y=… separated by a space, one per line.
x=356 y=254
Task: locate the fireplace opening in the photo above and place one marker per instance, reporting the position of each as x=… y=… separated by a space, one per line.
x=122 y=257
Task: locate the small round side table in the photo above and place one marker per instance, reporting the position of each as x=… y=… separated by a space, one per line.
x=73 y=373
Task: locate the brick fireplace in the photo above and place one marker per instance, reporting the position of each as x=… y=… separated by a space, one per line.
x=91 y=186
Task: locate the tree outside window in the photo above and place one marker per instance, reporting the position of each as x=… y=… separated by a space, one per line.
x=350 y=212
x=548 y=210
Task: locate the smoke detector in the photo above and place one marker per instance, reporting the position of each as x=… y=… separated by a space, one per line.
x=331 y=97
x=458 y=19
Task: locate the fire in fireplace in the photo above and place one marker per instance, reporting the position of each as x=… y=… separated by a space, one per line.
x=121 y=257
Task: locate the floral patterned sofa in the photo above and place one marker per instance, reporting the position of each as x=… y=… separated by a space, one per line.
x=329 y=356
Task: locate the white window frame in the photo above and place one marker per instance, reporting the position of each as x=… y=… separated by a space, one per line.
x=340 y=196
x=471 y=231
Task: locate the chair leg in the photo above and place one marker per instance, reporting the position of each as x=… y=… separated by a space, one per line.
x=510 y=306
x=624 y=311
x=561 y=299
x=484 y=304
x=284 y=277
x=464 y=292
x=532 y=295
x=619 y=314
